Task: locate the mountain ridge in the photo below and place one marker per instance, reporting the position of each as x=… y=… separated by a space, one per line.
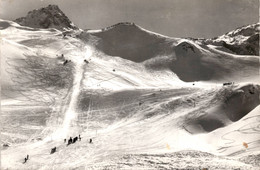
x=47 y=17
x=242 y=40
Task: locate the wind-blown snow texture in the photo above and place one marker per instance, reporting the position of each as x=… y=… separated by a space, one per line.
x=146 y=100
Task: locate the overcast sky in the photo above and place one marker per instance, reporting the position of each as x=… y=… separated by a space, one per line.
x=176 y=18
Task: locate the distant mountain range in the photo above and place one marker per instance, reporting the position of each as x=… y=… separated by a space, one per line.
x=241 y=41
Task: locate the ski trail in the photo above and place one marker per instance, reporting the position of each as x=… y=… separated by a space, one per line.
x=71 y=114
x=69 y=125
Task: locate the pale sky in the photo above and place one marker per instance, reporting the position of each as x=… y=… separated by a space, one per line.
x=175 y=18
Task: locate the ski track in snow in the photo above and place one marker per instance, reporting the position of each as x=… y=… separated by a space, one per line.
x=123 y=134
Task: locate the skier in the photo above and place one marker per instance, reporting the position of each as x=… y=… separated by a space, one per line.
x=70 y=141
x=53 y=150
x=79 y=138
x=86 y=61
x=75 y=139
x=27 y=157
x=5 y=145
x=90 y=140
x=64 y=140
x=65 y=62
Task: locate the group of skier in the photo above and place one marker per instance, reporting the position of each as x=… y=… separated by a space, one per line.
x=70 y=141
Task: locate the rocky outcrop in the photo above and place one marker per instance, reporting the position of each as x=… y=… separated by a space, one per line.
x=48 y=17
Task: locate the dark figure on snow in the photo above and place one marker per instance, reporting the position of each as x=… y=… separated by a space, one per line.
x=70 y=141
x=79 y=138
x=90 y=140
x=65 y=62
x=64 y=140
x=5 y=145
x=228 y=83
x=53 y=150
x=86 y=61
x=27 y=157
x=75 y=139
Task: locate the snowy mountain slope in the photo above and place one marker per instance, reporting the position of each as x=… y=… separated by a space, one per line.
x=230 y=139
x=194 y=63
x=230 y=105
x=34 y=71
x=189 y=60
x=31 y=55
x=130 y=128
x=139 y=96
x=131 y=42
x=36 y=44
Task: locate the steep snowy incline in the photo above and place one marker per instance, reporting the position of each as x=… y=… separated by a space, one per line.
x=191 y=60
x=195 y=62
x=34 y=73
x=131 y=42
x=69 y=124
x=132 y=92
x=50 y=43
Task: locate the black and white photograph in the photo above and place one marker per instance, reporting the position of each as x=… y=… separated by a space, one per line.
x=130 y=85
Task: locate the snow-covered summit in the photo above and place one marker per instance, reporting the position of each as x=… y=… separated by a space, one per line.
x=129 y=41
x=242 y=41
x=47 y=17
x=245 y=30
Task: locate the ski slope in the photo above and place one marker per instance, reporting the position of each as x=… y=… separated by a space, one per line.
x=155 y=113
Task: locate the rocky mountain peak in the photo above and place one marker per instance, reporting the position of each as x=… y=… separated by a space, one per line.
x=243 y=40
x=47 y=17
